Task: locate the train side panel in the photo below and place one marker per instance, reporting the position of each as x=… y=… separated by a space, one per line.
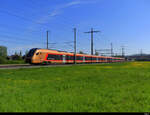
x=50 y=56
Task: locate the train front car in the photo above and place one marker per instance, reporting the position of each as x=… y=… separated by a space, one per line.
x=29 y=56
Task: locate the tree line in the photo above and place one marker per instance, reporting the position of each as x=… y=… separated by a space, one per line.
x=16 y=58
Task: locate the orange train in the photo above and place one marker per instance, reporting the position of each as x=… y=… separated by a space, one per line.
x=45 y=56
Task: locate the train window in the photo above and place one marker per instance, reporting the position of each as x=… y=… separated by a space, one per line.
x=93 y=58
x=72 y=57
x=58 y=57
x=85 y=58
x=31 y=52
x=79 y=58
x=37 y=53
x=103 y=59
x=88 y=58
x=69 y=57
x=50 y=57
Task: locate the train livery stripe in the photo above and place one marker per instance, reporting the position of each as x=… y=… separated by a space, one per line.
x=52 y=56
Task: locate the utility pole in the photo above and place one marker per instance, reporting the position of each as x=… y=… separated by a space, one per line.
x=75 y=50
x=47 y=39
x=141 y=52
x=123 y=51
x=92 y=44
x=112 y=50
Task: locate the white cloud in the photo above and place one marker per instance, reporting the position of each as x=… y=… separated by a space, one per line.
x=54 y=13
x=70 y=4
x=57 y=11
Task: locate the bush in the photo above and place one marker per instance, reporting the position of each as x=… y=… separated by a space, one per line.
x=15 y=62
x=3 y=60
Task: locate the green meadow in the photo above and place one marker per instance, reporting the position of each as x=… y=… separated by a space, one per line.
x=116 y=87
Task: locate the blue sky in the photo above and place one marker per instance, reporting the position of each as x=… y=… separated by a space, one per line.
x=23 y=24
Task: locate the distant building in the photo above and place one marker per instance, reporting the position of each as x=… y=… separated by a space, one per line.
x=138 y=57
x=14 y=57
x=3 y=51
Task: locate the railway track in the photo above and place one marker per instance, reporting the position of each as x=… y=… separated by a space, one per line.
x=19 y=66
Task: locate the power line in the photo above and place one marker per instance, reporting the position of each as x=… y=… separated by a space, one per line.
x=69 y=42
x=104 y=51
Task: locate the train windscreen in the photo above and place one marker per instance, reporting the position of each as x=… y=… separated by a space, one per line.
x=31 y=52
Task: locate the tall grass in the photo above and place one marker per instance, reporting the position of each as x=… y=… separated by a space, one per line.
x=120 y=87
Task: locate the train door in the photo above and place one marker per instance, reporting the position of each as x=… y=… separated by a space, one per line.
x=40 y=56
x=83 y=59
x=64 y=58
x=110 y=60
x=106 y=60
x=97 y=59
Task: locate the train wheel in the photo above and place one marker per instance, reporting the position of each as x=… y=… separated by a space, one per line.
x=45 y=63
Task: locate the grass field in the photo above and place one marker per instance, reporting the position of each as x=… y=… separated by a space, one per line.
x=118 y=87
